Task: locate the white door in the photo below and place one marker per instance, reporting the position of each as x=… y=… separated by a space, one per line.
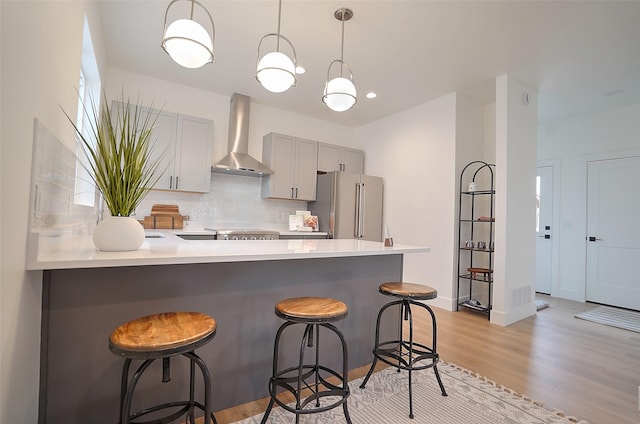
x=613 y=232
x=544 y=227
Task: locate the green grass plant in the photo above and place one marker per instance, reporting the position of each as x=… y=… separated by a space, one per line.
x=119 y=149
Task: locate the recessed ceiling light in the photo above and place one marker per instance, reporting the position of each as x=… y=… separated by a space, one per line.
x=300 y=70
x=371 y=95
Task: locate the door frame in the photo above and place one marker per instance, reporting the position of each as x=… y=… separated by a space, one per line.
x=555 y=164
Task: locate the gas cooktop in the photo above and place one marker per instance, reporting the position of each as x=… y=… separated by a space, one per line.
x=245 y=234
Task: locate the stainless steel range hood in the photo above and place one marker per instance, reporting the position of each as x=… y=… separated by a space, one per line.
x=238 y=161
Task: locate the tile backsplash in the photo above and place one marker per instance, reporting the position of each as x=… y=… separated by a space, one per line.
x=234 y=201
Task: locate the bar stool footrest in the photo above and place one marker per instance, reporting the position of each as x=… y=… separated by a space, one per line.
x=283 y=381
x=187 y=409
x=420 y=353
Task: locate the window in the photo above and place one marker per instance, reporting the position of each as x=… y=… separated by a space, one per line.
x=89 y=88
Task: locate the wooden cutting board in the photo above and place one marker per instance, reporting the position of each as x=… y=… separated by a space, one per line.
x=159 y=209
x=164 y=217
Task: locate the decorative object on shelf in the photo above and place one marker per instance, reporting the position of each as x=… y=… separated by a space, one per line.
x=121 y=161
x=340 y=92
x=185 y=40
x=475 y=261
x=486 y=273
x=486 y=218
x=275 y=70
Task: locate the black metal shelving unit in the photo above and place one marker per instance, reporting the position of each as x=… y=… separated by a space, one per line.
x=471 y=222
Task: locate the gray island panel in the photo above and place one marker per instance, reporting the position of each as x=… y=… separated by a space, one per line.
x=81 y=377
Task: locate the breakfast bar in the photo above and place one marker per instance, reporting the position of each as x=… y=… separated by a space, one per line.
x=88 y=293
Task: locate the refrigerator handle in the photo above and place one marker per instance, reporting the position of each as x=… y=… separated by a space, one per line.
x=363 y=193
x=356 y=225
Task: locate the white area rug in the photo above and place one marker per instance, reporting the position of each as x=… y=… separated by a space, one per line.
x=472 y=399
x=613 y=317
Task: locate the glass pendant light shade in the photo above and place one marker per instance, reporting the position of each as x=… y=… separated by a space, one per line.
x=276 y=72
x=340 y=91
x=339 y=94
x=186 y=41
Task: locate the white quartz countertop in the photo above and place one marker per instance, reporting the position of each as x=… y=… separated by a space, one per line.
x=170 y=249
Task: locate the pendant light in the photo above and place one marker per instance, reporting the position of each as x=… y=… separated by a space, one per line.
x=186 y=41
x=275 y=70
x=340 y=91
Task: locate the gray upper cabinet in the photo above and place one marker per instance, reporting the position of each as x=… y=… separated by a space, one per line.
x=294 y=164
x=185 y=143
x=332 y=157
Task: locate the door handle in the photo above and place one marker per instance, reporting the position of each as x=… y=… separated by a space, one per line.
x=546 y=236
x=591 y=238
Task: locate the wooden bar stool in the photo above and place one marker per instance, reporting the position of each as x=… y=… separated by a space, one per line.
x=313 y=312
x=402 y=353
x=162 y=336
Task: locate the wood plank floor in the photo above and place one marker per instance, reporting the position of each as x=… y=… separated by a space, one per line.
x=584 y=369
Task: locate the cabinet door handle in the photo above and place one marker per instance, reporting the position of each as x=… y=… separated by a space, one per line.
x=591 y=238
x=177 y=182
x=296 y=192
x=170 y=181
x=292 y=193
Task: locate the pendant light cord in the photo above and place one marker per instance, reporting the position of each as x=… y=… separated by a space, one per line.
x=193 y=5
x=279 y=16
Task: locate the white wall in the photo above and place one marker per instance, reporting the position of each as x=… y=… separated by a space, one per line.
x=414 y=152
x=514 y=267
x=41 y=54
x=572 y=143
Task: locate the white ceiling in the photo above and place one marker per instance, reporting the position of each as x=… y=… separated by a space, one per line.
x=579 y=56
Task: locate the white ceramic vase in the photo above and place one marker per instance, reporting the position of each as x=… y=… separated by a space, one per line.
x=118 y=234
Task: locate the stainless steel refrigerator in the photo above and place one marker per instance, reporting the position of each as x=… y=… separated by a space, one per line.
x=349 y=205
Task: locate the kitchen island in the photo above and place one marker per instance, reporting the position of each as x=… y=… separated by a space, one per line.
x=87 y=294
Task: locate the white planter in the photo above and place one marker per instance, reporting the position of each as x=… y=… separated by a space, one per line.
x=118 y=234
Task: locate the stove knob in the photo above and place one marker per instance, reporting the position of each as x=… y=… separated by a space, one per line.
x=243 y=238
x=254 y=238
x=225 y=237
x=234 y=238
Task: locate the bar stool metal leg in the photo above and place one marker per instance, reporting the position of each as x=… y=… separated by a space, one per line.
x=310 y=337
x=406 y=354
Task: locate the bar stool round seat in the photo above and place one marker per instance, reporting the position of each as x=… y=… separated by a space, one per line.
x=404 y=353
x=307 y=381
x=163 y=336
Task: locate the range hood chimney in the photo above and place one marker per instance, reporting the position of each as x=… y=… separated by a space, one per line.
x=238 y=161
